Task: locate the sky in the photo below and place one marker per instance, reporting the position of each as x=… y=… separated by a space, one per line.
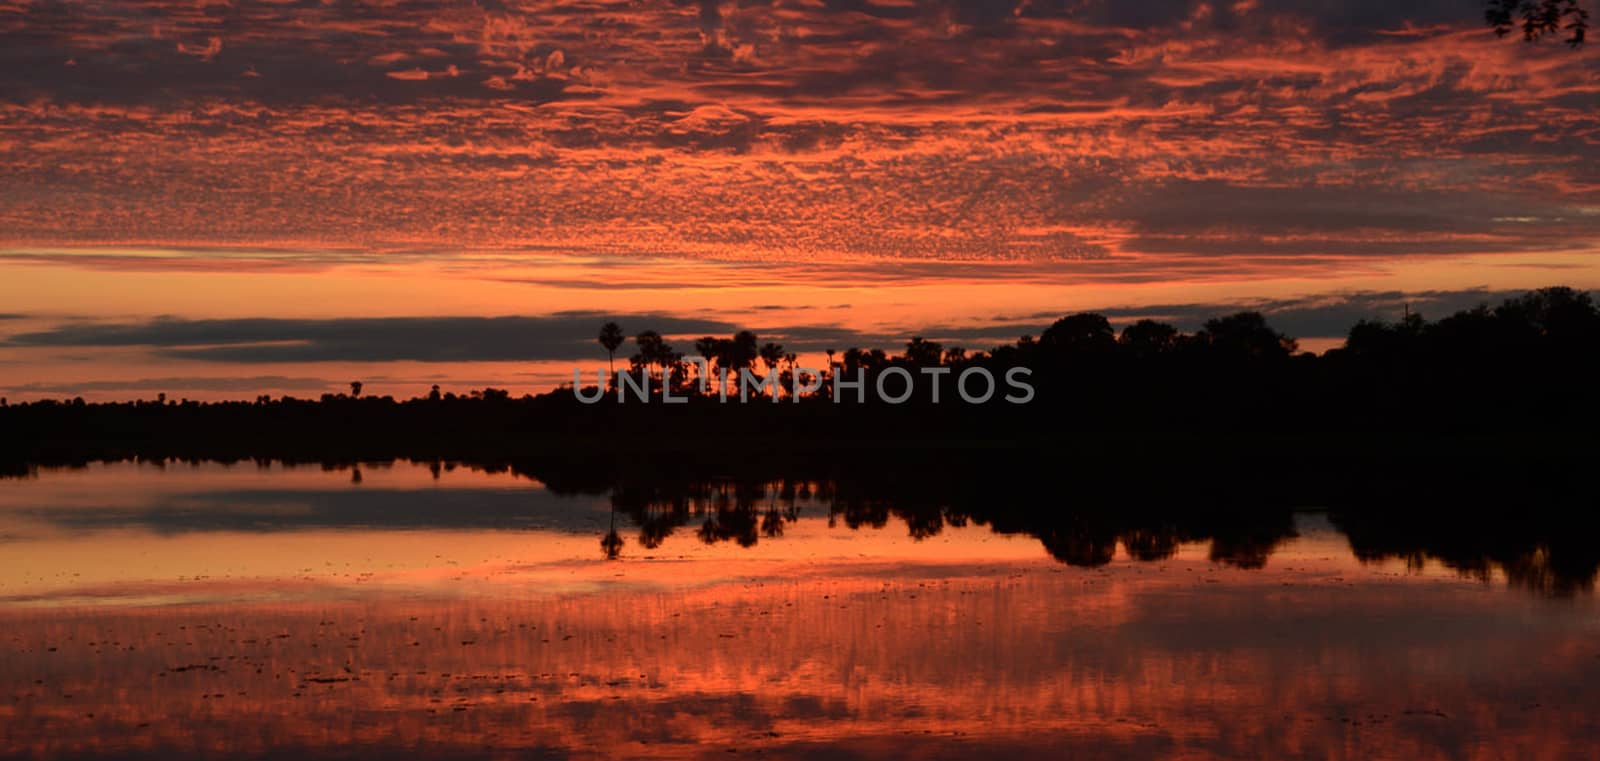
x=225 y=199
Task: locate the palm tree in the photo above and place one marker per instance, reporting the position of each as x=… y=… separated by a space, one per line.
x=655 y=352
x=792 y=362
x=712 y=350
x=738 y=353
x=772 y=356
x=744 y=350
x=611 y=338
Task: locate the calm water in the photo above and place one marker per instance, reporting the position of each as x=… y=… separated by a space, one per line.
x=235 y=612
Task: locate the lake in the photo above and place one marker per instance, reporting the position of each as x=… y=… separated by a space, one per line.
x=428 y=610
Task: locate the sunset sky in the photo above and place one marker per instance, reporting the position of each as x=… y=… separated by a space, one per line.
x=223 y=199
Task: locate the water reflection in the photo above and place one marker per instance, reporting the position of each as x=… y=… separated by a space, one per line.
x=1540 y=548
x=207 y=612
x=1112 y=665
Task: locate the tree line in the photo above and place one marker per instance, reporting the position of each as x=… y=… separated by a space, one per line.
x=1525 y=366
x=1550 y=331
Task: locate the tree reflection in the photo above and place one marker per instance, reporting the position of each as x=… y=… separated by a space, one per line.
x=1544 y=552
x=611 y=543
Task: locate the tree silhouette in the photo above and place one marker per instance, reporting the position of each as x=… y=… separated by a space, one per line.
x=1148 y=337
x=1383 y=342
x=1539 y=19
x=710 y=349
x=1083 y=332
x=611 y=338
x=1560 y=315
x=655 y=355
x=922 y=352
x=771 y=356
x=1245 y=334
x=739 y=353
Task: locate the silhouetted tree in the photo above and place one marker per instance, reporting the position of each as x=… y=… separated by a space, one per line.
x=1539 y=19
x=1077 y=333
x=771 y=355
x=1382 y=341
x=655 y=354
x=1148 y=337
x=710 y=349
x=742 y=353
x=1561 y=316
x=611 y=338
x=922 y=352
x=1245 y=334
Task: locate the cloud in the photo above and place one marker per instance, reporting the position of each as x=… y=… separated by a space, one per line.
x=566 y=336
x=1180 y=207
x=560 y=336
x=275 y=510
x=181 y=383
x=1329 y=315
x=1320 y=316
x=1149 y=135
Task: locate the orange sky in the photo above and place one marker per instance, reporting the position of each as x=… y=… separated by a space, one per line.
x=827 y=173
